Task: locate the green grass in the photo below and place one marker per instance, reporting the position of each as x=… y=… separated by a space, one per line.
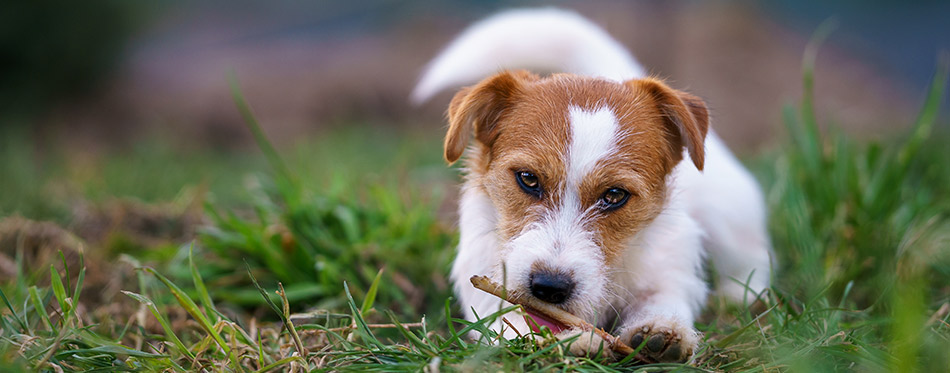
x=42 y=182
x=332 y=256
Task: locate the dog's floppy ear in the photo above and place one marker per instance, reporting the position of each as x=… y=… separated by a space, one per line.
x=478 y=108
x=685 y=115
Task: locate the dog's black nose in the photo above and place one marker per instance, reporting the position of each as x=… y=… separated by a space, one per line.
x=551 y=287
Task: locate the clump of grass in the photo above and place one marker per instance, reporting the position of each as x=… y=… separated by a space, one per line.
x=46 y=329
x=50 y=333
x=862 y=234
x=313 y=243
x=860 y=212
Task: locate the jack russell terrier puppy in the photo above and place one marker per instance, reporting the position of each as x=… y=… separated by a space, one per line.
x=597 y=189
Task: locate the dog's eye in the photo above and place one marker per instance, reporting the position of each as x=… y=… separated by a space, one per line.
x=528 y=182
x=614 y=198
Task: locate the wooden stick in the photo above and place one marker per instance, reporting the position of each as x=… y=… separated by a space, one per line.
x=544 y=309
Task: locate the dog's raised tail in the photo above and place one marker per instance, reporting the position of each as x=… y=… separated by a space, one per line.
x=541 y=40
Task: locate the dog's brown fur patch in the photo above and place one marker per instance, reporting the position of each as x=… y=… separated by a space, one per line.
x=521 y=123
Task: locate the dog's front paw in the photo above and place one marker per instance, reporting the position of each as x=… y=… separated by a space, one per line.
x=667 y=340
x=587 y=344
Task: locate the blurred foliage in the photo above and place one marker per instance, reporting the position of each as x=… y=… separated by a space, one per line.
x=862 y=235
x=54 y=49
x=863 y=212
x=46 y=182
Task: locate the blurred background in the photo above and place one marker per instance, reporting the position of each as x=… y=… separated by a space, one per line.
x=78 y=81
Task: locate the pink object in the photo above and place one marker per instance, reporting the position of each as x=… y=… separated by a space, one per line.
x=536 y=321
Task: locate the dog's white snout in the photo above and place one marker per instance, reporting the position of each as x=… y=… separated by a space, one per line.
x=551 y=286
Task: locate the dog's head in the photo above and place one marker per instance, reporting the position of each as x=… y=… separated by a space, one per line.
x=575 y=167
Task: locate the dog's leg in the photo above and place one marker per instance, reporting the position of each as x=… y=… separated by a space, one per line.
x=729 y=206
x=664 y=288
x=740 y=255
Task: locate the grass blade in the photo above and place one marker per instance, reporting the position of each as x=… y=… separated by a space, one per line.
x=727 y=340
x=282 y=312
x=289 y=324
x=189 y=305
x=108 y=349
x=928 y=114
x=451 y=325
x=12 y=311
x=40 y=308
x=361 y=325
x=79 y=282
x=166 y=326
x=371 y=293
x=412 y=337
x=477 y=325
x=62 y=258
x=252 y=124
x=278 y=363
x=203 y=295
x=56 y=282
x=263 y=292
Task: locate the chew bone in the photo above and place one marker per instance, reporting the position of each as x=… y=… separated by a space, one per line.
x=544 y=309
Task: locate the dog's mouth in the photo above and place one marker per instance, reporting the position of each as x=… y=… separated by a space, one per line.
x=535 y=321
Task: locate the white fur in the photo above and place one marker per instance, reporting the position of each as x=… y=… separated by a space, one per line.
x=560 y=240
x=539 y=39
x=720 y=211
x=593 y=137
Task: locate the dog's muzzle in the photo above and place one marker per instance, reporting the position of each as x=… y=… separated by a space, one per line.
x=551 y=287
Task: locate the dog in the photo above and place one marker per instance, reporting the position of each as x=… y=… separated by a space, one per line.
x=595 y=188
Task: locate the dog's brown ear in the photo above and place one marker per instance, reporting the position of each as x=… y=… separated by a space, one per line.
x=478 y=109
x=685 y=115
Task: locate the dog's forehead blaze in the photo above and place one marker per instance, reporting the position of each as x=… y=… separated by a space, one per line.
x=582 y=136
